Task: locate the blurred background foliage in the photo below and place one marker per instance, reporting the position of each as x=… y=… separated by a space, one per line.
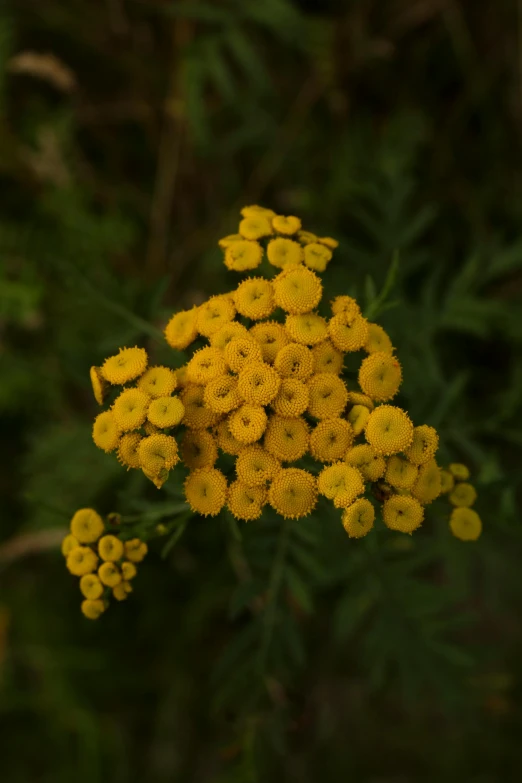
x=131 y=131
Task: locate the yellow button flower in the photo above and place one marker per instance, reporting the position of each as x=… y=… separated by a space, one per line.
x=206 y=364
x=238 y=353
x=286 y=225
x=292 y=398
x=255 y=227
x=402 y=513
x=358 y=518
x=105 y=431
x=348 y=332
x=68 y=544
x=245 y=502
x=110 y=548
x=255 y=466
x=358 y=418
x=356 y=398
x=92 y=609
x=293 y=493
x=81 y=560
x=286 y=438
x=400 y=473
x=331 y=439
x=128 y=450
x=198 y=449
x=221 y=394
x=447 y=481
x=197 y=415
x=224 y=242
x=130 y=409
x=464 y=495
x=229 y=331
x=181 y=330
x=121 y=591
x=135 y=550
x=297 y=290
x=99 y=384
x=341 y=483
x=127 y=365
x=327 y=396
x=128 y=570
x=317 y=256
x=295 y=361
x=214 y=314
x=225 y=440
x=254 y=210
x=428 y=485
x=271 y=337
x=424 y=445
x=158 y=382
x=378 y=341
x=459 y=471
x=329 y=242
x=327 y=358
x=380 y=376
x=109 y=574
x=365 y=459
x=284 y=253
x=254 y=298
x=248 y=423
x=465 y=524
x=389 y=430
x=157 y=453
x=86 y=525
x=166 y=412
x=306 y=237
x=308 y=329
x=206 y=491
x=242 y=256
x=346 y=305
x=91 y=587
x=258 y=383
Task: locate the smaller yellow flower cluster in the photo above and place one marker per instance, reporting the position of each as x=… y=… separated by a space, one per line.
x=105 y=564
x=464 y=523
x=139 y=422
x=261 y=231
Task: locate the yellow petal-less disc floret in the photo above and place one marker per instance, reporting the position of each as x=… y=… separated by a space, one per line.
x=221 y=394
x=69 y=543
x=306 y=237
x=130 y=409
x=206 y=364
x=465 y=524
x=295 y=361
x=128 y=570
x=245 y=502
x=341 y=483
x=308 y=329
x=254 y=210
x=81 y=560
x=389 y=430
x=128 y=450
x=127 y=365
x=109 y=574
x=135 y=550
x=447 y=481
x=284 y=253
x=365 y=459
x=87 y=525
x=402 y=513
x=271 y=337
x=292 y=398
x=255 y=227
x=286 y=224
x=105 y=431
x=99 y=384
x=181 y=330
x=92 y=609
x=286 y=438
x=224 y=242
x=206 y=491
x=327 y=396
x=424 y=445
x=356 y=398
x=110 y=548
x=248 y=423
x=297 y=290
x=166 y=412
x=293 y=493
x=327 y=358
x=120 y=592
x=317 y=256
x=243 y=256
x=258 y=383
x=91 y=587
x=378 y=341
x=345 y=304
x=214 y=314
x=158 y=382
x=358 y=518
x=459 y=471
x=331 y=439
x=238 y=353
x=329 y=242
x=226 y=440
x=230 y=331
x=464 y=495
x=198 y=449
x=197 y=415
x=158 y=452
x=255 y=466
x=400 y=473
x=348 y=332
x=380 y=376
x=428 y=485
x=358 y=418
x=254 y=298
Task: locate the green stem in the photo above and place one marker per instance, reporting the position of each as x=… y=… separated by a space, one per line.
x=274 y=586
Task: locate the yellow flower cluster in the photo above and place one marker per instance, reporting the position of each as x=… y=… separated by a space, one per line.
x=464 y=522
x=105 y=564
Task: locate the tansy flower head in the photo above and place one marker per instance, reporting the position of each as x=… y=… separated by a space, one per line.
x=109 y=573
x=447 y=481
x=181 y=376
x=286 y=225
x=92 y=609
x=255 y=227
x=327 y=358
x=295 y=361
x=245 y=502
x=327 y=396
x=464 y=495
x=465 y=524
x=378 y=341
x=229 y=331
x=254 y=298
x=238 y=353
x=247 y=423
x=224 y=242
x=297 y=290
x=292 y=398
x=370 y=464
x=402 y=513
x=110 y=548
x=244 y=255
x=128 y=570
x=181 y=330
x=428 y=485
x=284 y=253
x=86 y=526
x=158 y=452
x=206 y=364
x=258 y=383
x=424 y=445
x=309 y=329
x=271 y=337
x=329 y=242
x=348 y=332
x=99 y=384
x=226 y=440
x=158 y=382
x=255 y=466
x=197 y=415
x=221 y=394
x=91 y=587
x=400 y=473
x=356 y=398
x=459 y=471
x=81 y=560
x=358 y=518
x=306 y=237
x=166 y=412
x=120 y=592
x=130 y=409
x=135 y=550
x=293 y=493
x=317 y=256
x=341 y=483
x=345 y=304
x=389 y=430
x=206 y=491
x=358 y=418
x=68 y=544
x=105 y=431
x=286 y=438
x=380 y=376
x=330 y=440
x=198 y=449
x=254 y=210
x=214 y=314
x=128 y=364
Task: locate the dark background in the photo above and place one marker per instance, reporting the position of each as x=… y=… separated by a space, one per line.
x=131 y=133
